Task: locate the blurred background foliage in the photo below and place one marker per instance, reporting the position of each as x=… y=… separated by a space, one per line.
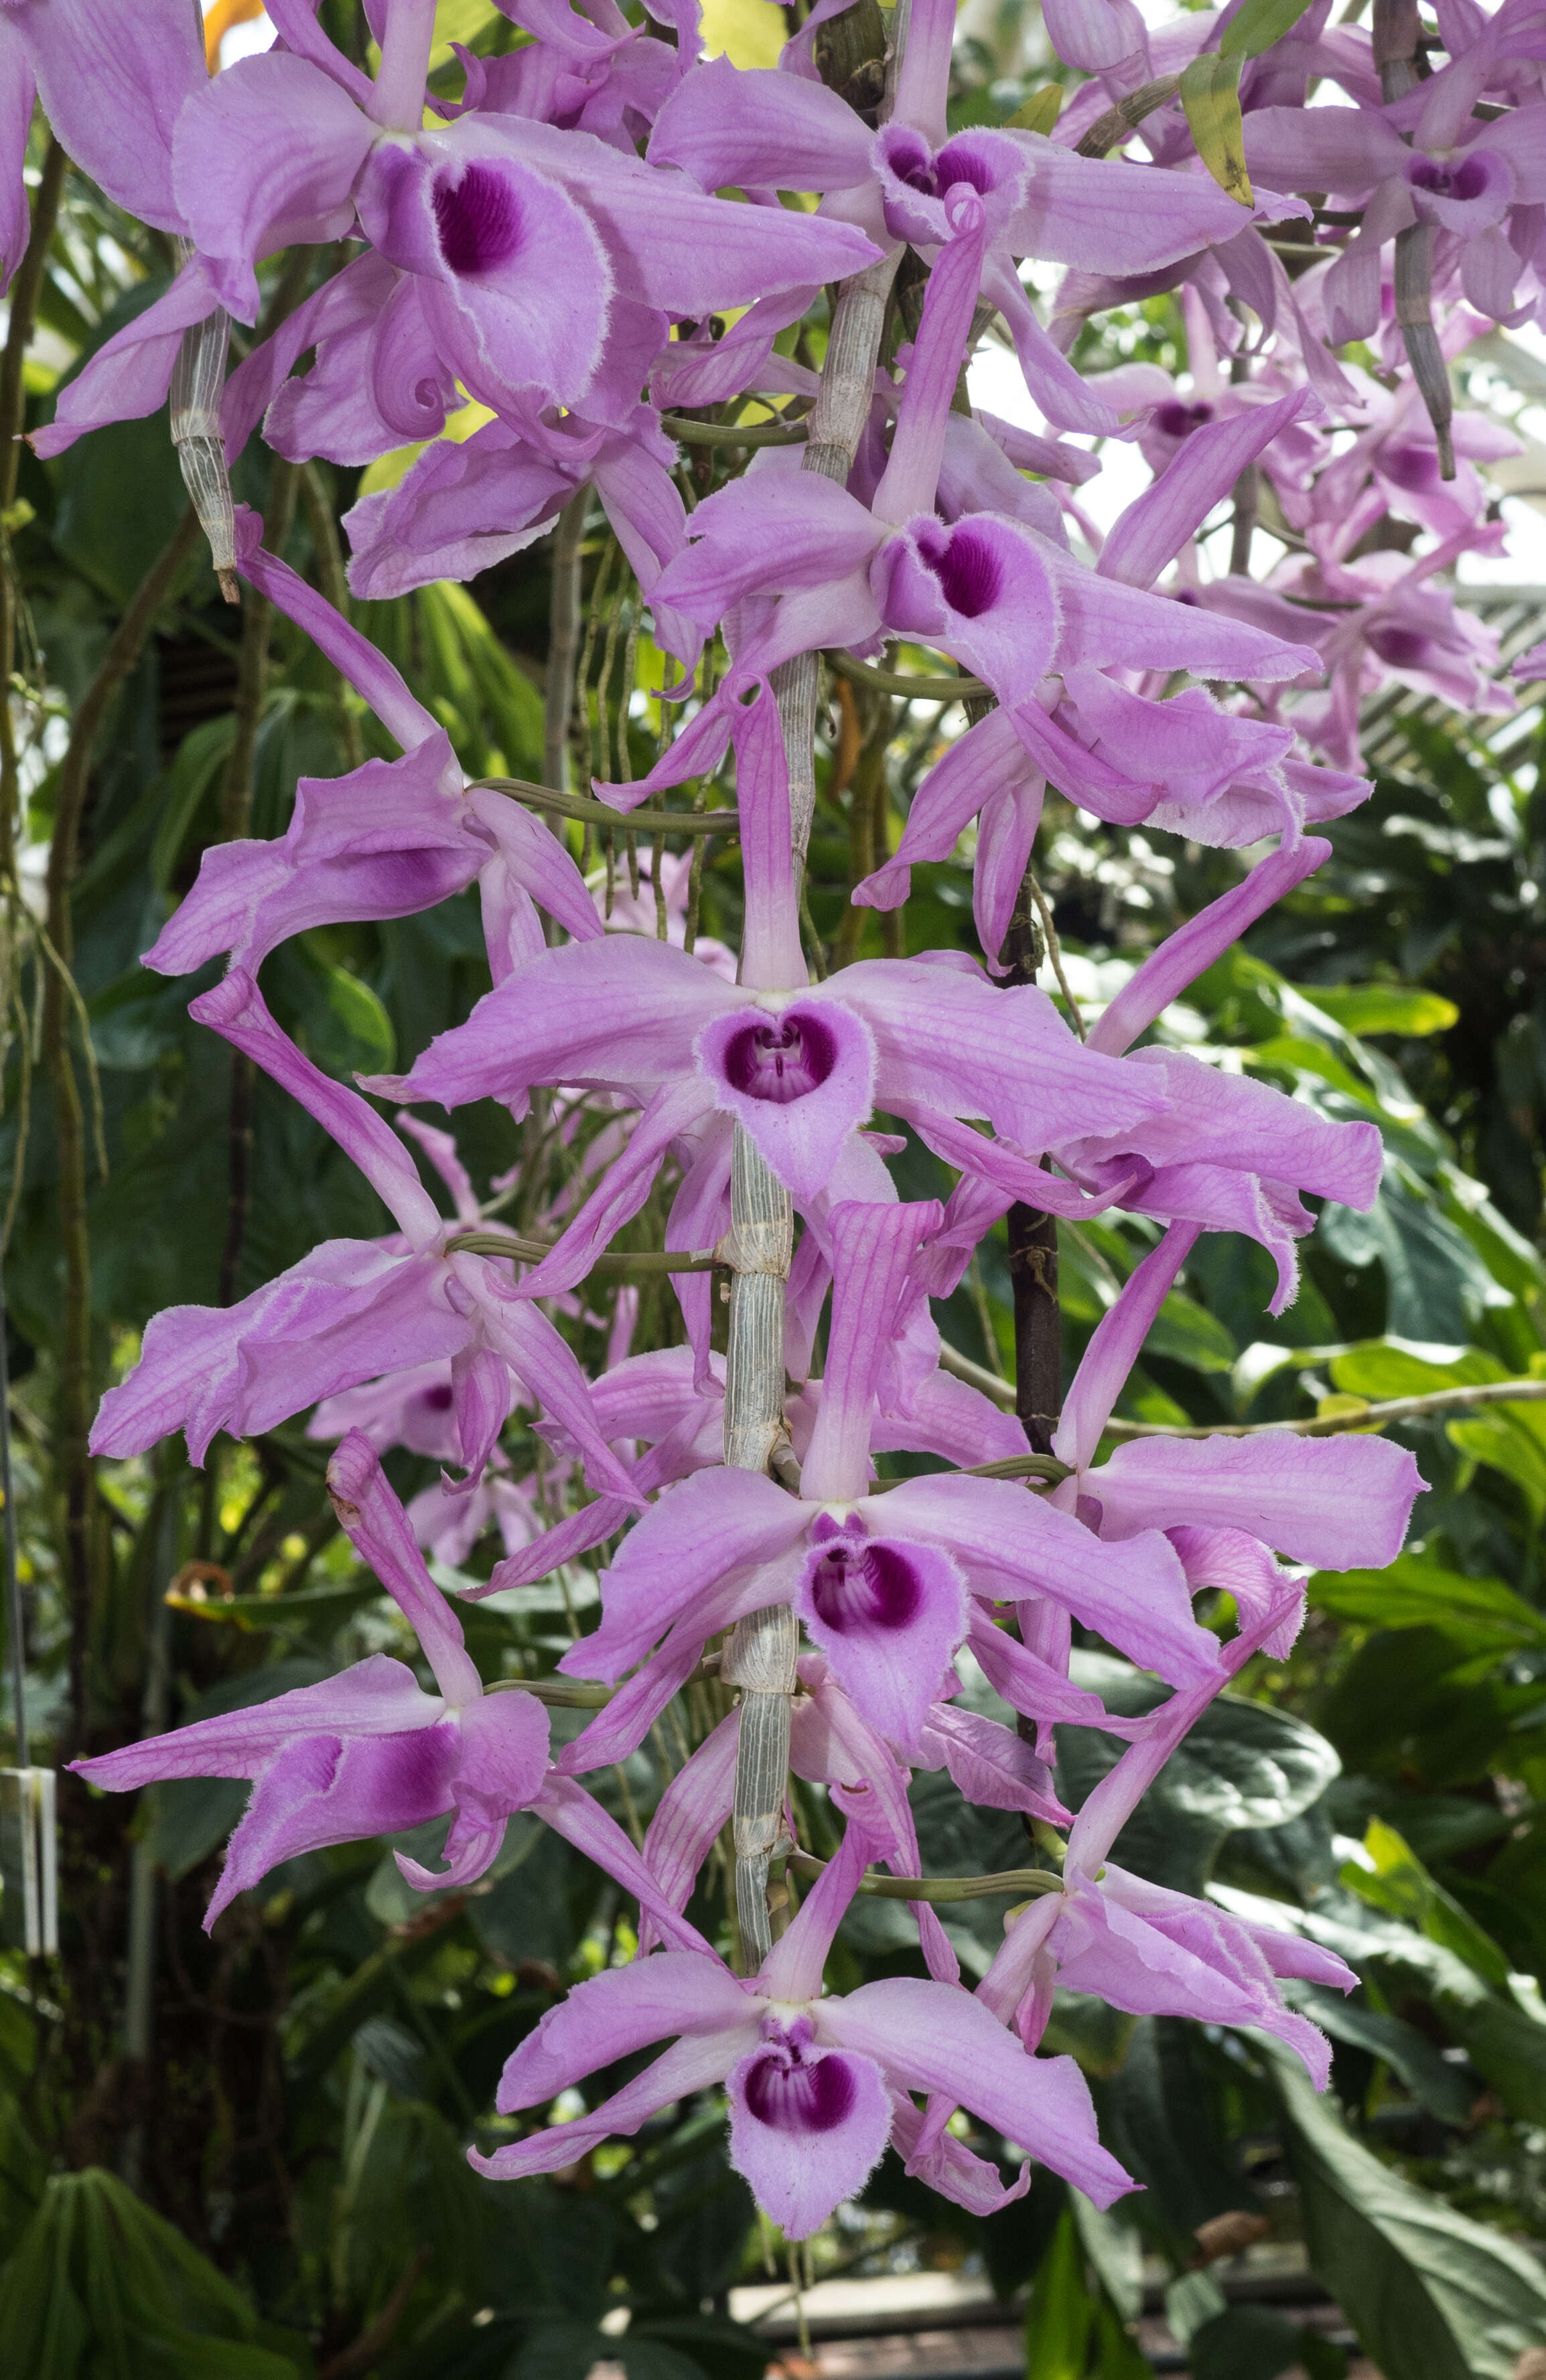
x=242 y=2156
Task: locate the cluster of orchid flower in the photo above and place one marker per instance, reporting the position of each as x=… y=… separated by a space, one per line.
x=558 y=246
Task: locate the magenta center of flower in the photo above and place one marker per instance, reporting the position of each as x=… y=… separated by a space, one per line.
x=1400 y=647
x=1179 y=420
x=792 y=2092
x=1469 y=180
x=910 y=159
x=478 y=220
x=781 y=1060
x=859 y=1585
x=966 y=568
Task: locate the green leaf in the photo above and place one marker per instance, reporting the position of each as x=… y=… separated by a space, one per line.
x=1243 y=1766
x=1211 y=95
x=1258 y=25
x=1188 y=1333
x=1248 y=2342
x=348 y=1032
x=1482 y=1613
x=1390 y=1877
x=200 y=756
x=1402 y=1008
x=1058 y=2317
x=1432 y=2295
x=1041 y=111
x=1439 y=2087
x=101 y=2285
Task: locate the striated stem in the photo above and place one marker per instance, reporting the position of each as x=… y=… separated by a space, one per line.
x=1414 y=314
x=836 y=424
x=759 y=1658
x=1109 y=130
x=1397 y=34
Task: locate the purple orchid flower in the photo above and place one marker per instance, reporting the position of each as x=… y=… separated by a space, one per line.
x=884 y=1585
x=818 y=2084
x=1433 y=163
x=587 y=71
x=771 y=129
x=369 y=1752
x=799 y=1065
x=866 y=1776
x=1141 y=1945
x=1533 y=664
x=518 y=243
x=1225 y=1503
x=673 y=1401
x=1186 y=764
x=350 y=1309
x=795 y=562
x=389 y=840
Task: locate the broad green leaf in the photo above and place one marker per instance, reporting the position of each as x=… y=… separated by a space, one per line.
x=1390 y=1877
x=1188 y=1333
x=1211 y=95
x=1058 y=2317
x=1258 y=25
x=1416 y=1593
x=1245 y=2342
x=1243 y=1766
x=1439 y=2087
x=1402 y=1008
x=1432 y=2295
x=1381 y=1369
x=347 y=1030
x=745 y=31
x=1040 y=112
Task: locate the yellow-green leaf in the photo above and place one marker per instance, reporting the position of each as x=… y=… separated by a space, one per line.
x=1258 y=25
x=1211 y=95
x=747 y=32
x=1382 y=1007
x=1040 y=112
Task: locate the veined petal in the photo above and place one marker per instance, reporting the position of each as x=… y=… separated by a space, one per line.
x=760 y=129
x=808 y=2126
x=625 y=1013
x=693 y=2064
x=926 y=2037
x=711 y=1525
x=1012 y=1544
x=1340 y=1503
x=376 y=1696
x=376 y=1526
x=320 y=1790
x=114 y=87
x=618 y=2012
x=265 y=157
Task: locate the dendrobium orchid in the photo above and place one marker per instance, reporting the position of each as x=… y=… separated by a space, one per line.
x=335 y=1319
x=369 y=1751
x=599 y=227
x=817 y=2082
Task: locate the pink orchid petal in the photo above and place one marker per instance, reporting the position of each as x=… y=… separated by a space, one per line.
x=808 y=2126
